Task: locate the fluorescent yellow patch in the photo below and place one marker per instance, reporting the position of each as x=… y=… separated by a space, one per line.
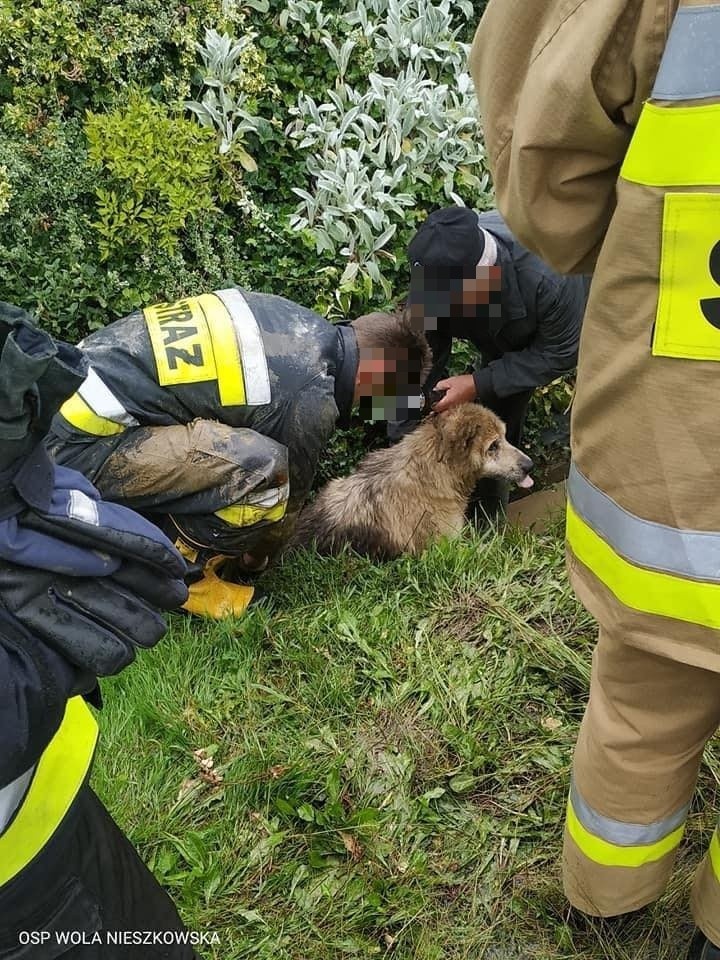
x=60 y=773
x=246 y=514
x=675 y=147
x=194 y=341
x=688 y=316
x=714 y=854
x=648 y=591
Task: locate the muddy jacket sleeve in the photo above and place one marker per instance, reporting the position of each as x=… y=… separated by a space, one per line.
x=560 y=87
x=551 y=354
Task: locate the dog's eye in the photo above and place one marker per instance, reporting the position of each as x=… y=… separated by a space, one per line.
x=494 y=447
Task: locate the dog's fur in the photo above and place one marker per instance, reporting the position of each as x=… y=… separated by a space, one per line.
x=401 y=498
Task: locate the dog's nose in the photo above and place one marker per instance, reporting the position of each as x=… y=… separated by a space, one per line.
x=526 y=463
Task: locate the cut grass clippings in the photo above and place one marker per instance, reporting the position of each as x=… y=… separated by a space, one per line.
x=374 y=762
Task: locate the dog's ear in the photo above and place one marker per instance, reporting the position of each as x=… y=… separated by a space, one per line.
x=463 y=432
x=456 y=434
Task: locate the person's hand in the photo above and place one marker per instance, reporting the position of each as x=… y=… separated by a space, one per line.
x=457 y=390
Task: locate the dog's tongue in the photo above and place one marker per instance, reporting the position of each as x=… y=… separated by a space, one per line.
x=526 y=483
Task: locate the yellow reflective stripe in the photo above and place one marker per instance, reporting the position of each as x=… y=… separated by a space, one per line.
x=245 y=514
x=714 y=854
x=59 y=774
x=230 y=379
x=675 y=147
x=610 y=855
x=77 y=412
x=648 y=591
x=252 y=349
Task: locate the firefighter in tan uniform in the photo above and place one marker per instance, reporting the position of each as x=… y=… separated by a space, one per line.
x=602 y=120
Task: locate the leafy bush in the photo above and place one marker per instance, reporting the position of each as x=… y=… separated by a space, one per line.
x=410 y=130
x=156 y=172
x=233 y=70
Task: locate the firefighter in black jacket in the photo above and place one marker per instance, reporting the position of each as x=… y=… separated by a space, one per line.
x=211 y=415
x=472 y=280
x=80 y=584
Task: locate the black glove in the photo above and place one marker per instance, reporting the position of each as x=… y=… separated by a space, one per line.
x=82 y=575
x=95 y=623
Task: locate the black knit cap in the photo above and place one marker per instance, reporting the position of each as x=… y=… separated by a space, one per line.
x=450 y=240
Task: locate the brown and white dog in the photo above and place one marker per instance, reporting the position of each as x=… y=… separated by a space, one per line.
x=402 y=498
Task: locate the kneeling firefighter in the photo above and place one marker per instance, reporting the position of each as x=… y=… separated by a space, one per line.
x=211 y=414
x=81 y=582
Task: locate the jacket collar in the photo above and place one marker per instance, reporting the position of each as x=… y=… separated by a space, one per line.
x=346 y=365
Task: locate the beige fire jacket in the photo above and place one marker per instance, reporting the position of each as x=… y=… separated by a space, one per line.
x=561 y=84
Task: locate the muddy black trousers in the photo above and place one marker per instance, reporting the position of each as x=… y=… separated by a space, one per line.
x=88 y=885
x=184 y=476
x=491 y=495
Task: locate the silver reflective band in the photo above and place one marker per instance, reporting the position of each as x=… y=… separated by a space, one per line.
x=685 y=553
x=12 y=796
x=690 y=67
x=251 y=347
x=268 y=498
x=624 y=834
x=102 y=401
x=81 y=507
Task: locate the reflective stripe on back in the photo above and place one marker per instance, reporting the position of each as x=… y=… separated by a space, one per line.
x=59 y=774
x=213 y=337
x=690 y=67
x=687 y=553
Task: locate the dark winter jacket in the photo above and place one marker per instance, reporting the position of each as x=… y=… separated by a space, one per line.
x=535 y=337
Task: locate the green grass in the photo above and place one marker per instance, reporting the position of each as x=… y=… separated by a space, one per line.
x=391 y=750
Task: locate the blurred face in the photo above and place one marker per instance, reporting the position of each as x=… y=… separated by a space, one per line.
x=383 y=387
x=480 y=288
x=442 y=297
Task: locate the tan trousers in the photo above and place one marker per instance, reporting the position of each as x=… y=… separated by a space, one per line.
x=636 y=764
